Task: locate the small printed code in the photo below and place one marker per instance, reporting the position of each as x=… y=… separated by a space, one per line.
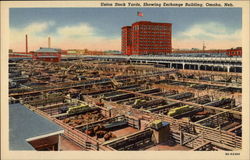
x=232 y=154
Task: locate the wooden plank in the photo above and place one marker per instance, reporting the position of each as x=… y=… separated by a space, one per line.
x=184 y=102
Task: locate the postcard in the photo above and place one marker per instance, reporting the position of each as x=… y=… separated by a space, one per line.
x=125 y=80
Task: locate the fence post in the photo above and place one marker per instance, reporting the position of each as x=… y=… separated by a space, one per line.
x=97 y=146
x=235 y=142
x=181 y=138
x=139 y=124
x=59 y=142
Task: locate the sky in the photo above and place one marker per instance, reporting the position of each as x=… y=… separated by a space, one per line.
x=100 y=28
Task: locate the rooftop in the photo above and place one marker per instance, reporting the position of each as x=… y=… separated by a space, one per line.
x=55 y=50
x=151 y=23
x=25 y=124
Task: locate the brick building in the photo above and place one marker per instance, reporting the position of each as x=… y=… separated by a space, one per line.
x=47 y=54
x=126 y=40
x=147 y=38
x=234 y=51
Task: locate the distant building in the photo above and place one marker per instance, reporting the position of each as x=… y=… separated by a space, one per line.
x=47 y=54
x=72 y=52
x=147 y=38
x=216 y=52
x=20 y=55
x=234 y=51
x=195 y=49
x=112 y=52
x=75 y=51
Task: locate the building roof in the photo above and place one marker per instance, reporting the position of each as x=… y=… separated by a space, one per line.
x=47 y=56
x=126 y=27
x=24 y=124
x=151 y=23
x=54 y=50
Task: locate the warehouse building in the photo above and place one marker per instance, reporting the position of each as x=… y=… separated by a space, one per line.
x=47 y=54
x=235 y=51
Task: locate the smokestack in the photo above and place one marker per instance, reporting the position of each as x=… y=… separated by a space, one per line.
x=204 y=47
x=48 y=42
x=26 y=38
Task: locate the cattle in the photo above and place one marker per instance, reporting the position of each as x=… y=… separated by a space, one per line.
x=108 y=136
x=100 y=134
x=78 y=122
x=67 y=120
x=97 y=128
x=202 y=113
x=89 y=132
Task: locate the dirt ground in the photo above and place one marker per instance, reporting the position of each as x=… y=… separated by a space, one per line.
x=67 y=145
x=166 y=147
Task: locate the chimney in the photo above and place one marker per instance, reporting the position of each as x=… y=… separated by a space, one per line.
x=204 y=47
x=26 y=38
x=48 y=42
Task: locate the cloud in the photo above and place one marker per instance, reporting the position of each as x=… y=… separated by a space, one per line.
x=38 y=27
x=215 y=34
x=83 y=35
x=77 y=36
x=32 y=29
x=79 y=30
x=212 y=30
x=35 y=33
